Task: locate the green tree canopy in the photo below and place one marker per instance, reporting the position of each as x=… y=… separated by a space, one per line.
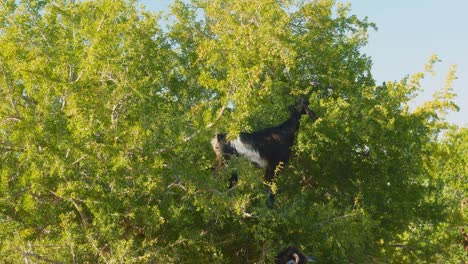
x=106 y=118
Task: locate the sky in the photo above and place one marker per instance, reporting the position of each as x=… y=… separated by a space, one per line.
x=409 y=32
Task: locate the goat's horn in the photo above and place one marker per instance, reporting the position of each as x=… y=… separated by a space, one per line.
x=296 y=258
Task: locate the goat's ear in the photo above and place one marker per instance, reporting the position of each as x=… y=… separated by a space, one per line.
x=220 y=137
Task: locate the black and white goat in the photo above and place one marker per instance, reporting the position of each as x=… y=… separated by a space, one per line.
x=292 y=255
x=266 y=148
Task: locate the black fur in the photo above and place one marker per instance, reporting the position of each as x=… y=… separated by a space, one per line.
x=291 y=255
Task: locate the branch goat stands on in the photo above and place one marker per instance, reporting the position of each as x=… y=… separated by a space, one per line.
x=266 y=148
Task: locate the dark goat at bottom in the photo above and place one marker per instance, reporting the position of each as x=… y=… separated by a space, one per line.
x=292 y=255
x=266 y=148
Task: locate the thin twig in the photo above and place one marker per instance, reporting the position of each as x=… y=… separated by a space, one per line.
x=398 y=245
x=10 y=119
x=232 y=188
x=336 y=218
x=80 y=159
x=177 y=182
x=99 y=251
x=115 y=111
x=403 y=246
x=84 y=219
x=79 y=77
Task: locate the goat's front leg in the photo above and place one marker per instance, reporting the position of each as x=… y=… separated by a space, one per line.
x=269 y=174
x=217 y=148
x=219 y=165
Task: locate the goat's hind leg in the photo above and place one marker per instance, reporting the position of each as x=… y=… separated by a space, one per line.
x=233 y=180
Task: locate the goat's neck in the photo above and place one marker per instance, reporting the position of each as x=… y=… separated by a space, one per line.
x=292 y=124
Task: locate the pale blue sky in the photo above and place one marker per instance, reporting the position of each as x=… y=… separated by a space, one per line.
x=409 y=32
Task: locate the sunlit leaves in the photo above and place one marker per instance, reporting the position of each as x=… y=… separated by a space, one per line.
x=106 y=118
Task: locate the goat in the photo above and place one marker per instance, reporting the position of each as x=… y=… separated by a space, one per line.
x=292 y=255
x=266 y=148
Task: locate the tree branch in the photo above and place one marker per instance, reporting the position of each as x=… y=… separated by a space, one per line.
x=188 y=138
x=402 y=246
x=84 y=218
x=27 y=254
x=10 y=119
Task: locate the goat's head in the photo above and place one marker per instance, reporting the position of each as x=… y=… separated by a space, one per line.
x=302 y=107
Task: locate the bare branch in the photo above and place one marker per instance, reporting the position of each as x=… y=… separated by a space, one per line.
x=71 y=73
x=217 y=117
x=27 y=254
x=6 y=145
x=79 y=77
x=337 y=218
x=398 y=245
x=10 y=119
x=98 y=251
x=115 y=111
x=177 y=182
x=80 y=159
x=84 y=218
x=107 y=76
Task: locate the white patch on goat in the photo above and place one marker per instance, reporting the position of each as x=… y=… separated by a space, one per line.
x=248 y=151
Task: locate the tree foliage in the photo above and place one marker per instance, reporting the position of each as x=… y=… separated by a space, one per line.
x=105 y=121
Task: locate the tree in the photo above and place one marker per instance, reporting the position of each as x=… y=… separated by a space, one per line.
x=105 y=121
